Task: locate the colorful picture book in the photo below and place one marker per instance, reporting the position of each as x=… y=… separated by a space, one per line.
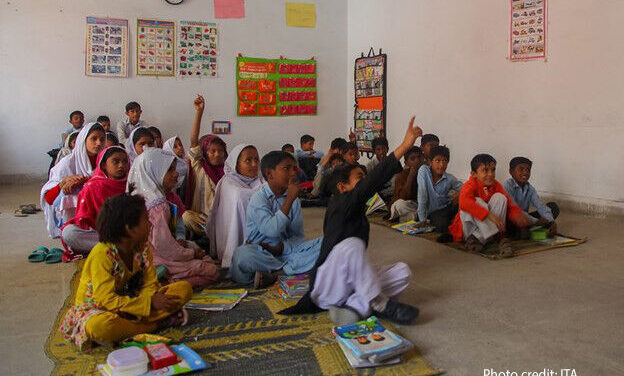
x=374 y=204
x=216 y=300
x=190 y=361
x=293 y=287
x=197 y=49
x=107 y=47
x=363 y=363
x=369 y=340
x=414 y=227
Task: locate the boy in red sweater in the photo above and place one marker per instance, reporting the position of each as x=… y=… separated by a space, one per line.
x=484 y=207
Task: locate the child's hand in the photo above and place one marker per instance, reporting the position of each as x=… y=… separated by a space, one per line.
x=199 y=103
x=522 y=221
x=163 y=302
x=293 y=190
x=497 y=221
x=351 y=135
x=552 y=231
x=199 y=254
x=411 y=133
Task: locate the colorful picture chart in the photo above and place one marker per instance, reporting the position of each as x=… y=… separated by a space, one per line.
x=197 y=49
x=370 y=99
x=275 y=87
x=528 y=30
x=107 y=47
x=155 y=48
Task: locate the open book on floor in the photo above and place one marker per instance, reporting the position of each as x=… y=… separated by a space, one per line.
x=216 y=300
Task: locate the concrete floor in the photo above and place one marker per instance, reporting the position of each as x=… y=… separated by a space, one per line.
x=552 y=310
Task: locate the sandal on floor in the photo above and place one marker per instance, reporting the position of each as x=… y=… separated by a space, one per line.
x=54 y=256
x=19 y=213
x=38 y=255
x=28 y=209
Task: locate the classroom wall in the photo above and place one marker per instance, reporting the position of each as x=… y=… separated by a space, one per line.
x=447 y=64
x=42 y=47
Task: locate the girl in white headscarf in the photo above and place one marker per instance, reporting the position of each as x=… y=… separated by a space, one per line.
x=153 y=175
x=59 y=196
x=227 y=218
x=140 y=138
x=175 y=147
x=68 y=146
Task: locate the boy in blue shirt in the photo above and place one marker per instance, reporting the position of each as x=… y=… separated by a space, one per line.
x=308 y=158
x=274 y=239
x=525 y=196
x=438 y=191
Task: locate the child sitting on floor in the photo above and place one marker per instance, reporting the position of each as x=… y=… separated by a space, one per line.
x=525 y=195
x=428 y=142
x=153 y=175
x=404 y=200
x=59 y=196
x=324 y=167
x=118 y=295
x=207 y=155
x=76 y=121
x=158 y=142
x=274 y=239
x=229 y=212
x=104 y=122
x=131 y=122
x=380 y=149
x=351 y=154
x=111 y=139
x=139 y=139
x=307 y=157
x=301 y=176
x=438 y=191
x=108 y=180
x=484 y=208
x=343 y=279
x=67 y=148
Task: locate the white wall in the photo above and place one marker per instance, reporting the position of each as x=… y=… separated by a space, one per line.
x=42 y=77
x=447 y=64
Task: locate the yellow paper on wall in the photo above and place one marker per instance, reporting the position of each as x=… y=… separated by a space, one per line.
x=301 y=14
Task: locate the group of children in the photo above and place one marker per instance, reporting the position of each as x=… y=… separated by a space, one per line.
x=131 y=203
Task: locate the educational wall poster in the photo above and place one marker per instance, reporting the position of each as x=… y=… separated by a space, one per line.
x=221 y=127
x=528 y=30
x=275 y=87
x=155 y=48
x=107 y=47
x=370 y=99
x=300 y=14
x=197 y=49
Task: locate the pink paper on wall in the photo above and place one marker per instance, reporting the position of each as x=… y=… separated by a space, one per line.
x=229 y=8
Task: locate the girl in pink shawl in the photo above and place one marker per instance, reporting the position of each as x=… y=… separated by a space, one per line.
x=207 y=156
x=108 y=179
x=153 y=174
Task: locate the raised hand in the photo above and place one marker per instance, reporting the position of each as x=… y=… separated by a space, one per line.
x=199 y=103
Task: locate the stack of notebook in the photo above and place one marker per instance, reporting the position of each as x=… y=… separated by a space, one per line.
x=367 y=343
x=292 y=287
x=216 y=300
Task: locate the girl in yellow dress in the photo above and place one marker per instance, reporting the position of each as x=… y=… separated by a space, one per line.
x=119 y=295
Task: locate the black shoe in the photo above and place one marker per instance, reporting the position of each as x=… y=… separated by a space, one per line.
x=399 y=313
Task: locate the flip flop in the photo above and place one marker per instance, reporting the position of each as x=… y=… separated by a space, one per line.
x=28 y=209
x=54 y=256
x=38 y=255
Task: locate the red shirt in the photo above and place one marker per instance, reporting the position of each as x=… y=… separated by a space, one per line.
x=467 y=202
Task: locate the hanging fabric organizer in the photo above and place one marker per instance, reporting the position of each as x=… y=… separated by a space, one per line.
x=370 y=99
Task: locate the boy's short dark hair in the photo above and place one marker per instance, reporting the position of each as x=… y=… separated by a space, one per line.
x=427 y=138
x=515 y=161
x=287 y=146
x=116 y=213
x=481 y=159
x=335 y=157
x=440 y=150
x=305 y=139
x=413 y=150
x=141 y=132
x=379 y=141
x=132 y=106
x=113 y=137
x=341 y=174
x=348 y=146
x=75 y=113
x=155 y=131
x=272 y=159
x=102 y=118
x=337 y=143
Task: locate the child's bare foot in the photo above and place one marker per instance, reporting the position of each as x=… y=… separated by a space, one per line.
x=263 y=280
x=178 y=319
x=473 y=245
x=504 y=248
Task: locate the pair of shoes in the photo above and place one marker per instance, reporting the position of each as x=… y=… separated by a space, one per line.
x=473 y=245
x=49 y=256
x=399 y=313
x=263 y=280
x=504 y=248
x=343 y=315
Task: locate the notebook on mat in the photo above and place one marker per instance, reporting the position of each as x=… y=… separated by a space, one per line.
x=216 y=300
